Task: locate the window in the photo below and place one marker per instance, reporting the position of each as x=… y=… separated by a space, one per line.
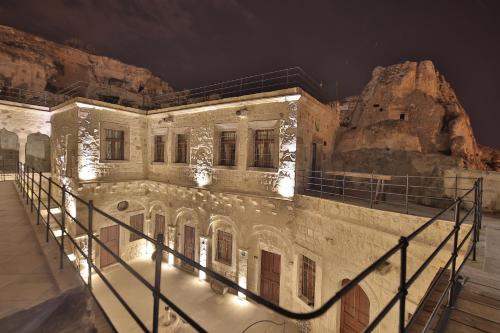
x=159 y=149
x=307 y=280
x=402 y=116
x=115 y=144
x=136 y=222
x=264 y=141
x=224 y=247
x=227 y=151
x=181 y=149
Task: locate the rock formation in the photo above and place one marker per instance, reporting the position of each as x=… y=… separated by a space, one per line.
x=408 y=120
x=35 y=64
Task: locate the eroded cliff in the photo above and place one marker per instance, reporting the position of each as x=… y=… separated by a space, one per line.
x=35 y=64
x=406 y=115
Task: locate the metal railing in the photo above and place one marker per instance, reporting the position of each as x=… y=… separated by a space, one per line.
x=34 y=186
x=42 y=98
x=281 y=79
x=386 y=192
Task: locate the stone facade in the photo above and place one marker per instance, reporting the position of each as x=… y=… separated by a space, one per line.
x=259 y=207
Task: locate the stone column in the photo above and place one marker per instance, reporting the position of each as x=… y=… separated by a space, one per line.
x=171 y=242
x=23 y=139
x=242 y=270
x=203 y=256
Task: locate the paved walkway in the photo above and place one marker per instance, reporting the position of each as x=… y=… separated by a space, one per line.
x=478 y=305
x=25 y=278
x=215 y=313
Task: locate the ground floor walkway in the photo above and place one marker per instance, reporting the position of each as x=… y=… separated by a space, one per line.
x=478 y=305
x=214 y=312
x=25 y=277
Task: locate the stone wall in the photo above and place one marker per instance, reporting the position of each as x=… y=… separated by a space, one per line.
x=23 y=120
x=342 y=239
x=466 y=179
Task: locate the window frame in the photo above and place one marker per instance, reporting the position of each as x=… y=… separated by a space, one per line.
x=111 y=139
x=156 y=148
x=306 y=292
x=224 y=246
x=103 y=126
x=268 y=140
x=176 y=148
x=221 y=149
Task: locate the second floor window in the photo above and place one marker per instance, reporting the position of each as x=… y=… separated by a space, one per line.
x=264 y=142
x=181 y=147
x=307 y=280
x=227 y=151
x=115 y=144
x=159 y=149
x=224 y=247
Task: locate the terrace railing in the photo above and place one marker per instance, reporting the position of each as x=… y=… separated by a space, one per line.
x=44 y=193
x=404 y=194
x=281 y=79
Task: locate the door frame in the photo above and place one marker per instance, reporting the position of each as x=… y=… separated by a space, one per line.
x=258 y=267
x=366 y=290
x=101 y=250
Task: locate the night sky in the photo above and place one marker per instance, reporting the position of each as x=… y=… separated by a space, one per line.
x=192 y=43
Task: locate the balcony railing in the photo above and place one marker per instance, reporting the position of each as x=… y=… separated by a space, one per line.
x=407 y=194
x=281 y=79
x=43 y=193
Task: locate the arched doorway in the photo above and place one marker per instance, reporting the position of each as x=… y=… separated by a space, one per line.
x=355 y=310
x=9 y=151
x=38 y=152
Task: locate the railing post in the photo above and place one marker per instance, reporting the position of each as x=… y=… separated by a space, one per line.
x=456 y=186
x=32 y=188
x=49 y=199
x=63 y=225
x=474 y=226
x=39 y=197
x=371 y=190
x=321 y=183
x=403 y=291
x=90 y=235
x=454 y=254
x=27 y=183
x=156 y=292
x=407 y=191
x=480 y=203
x=343 y=188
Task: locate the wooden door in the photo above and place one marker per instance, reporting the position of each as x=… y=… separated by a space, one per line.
x=355 y=310
x=160 y=225
x=110 y=236
x=270 y=271
x=189 y=245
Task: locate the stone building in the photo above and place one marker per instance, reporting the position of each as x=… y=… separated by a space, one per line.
x=222 y=180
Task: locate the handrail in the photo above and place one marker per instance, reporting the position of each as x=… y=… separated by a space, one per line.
x=399 y=191
x=23 y=179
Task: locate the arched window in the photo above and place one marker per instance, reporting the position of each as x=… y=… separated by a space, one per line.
x=9 y=151
x=38 y=152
